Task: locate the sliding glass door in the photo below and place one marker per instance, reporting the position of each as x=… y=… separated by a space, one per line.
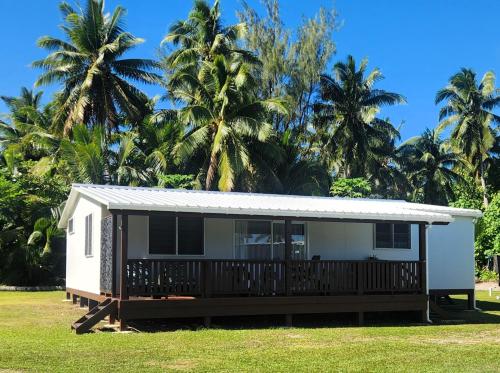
x=252 y=239
x=298 y=240
x=262 y=239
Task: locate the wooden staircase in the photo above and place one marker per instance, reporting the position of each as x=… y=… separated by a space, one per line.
x=96 y=314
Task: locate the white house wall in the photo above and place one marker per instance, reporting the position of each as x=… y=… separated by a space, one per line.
x=353 y=241
x=450 y=247
x=451 y=255
x=348 y=241
x=83 y=272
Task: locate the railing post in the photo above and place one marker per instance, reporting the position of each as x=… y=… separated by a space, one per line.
x=361 y=277
x=288 y=254
x=206 y=278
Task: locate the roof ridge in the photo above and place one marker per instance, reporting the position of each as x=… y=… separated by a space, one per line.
x=196 y=191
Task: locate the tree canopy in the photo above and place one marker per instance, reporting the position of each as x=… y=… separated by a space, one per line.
x=253 y=106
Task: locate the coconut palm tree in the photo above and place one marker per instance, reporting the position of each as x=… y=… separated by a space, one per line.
x=89 y=158
x=428 y=162
x=26 y=135
x=468 y=108
x=158 y=134
x=221 y=113
x=88 y=64
x=382 y=169
x=202 y=37
x=346 y=116
x=280 y=167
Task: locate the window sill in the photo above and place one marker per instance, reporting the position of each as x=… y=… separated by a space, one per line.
x=392 y=248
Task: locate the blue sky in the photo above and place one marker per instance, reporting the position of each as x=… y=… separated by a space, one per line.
x=418 y=44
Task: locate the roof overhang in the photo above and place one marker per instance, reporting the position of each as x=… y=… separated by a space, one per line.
x=141 y=201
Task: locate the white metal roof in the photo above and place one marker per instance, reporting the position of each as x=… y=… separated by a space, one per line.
x=208 y=202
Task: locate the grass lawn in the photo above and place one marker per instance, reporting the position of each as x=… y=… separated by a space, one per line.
x=35 y=336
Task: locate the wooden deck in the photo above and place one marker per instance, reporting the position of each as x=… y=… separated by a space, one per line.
x=242 y=306
x=207 y=288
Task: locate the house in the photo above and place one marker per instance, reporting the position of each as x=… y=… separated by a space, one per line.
x=135 y=253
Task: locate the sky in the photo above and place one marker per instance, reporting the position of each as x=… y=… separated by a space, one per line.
x=417 y=44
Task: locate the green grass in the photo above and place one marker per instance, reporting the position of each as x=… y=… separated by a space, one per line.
x=35 y=336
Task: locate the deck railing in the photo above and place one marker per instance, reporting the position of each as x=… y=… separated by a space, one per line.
x=220 y=278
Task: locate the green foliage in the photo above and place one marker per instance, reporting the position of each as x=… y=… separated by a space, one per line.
x=25 y=203
x=349 y=133
x=292 y=60
x=429 y=164
x=354 y=188
x=252 y=110
x=221 y=121
x=488 y=238
x=468 y=108
x=485 y=274
x=87 y=63
x=467 y=194
x=176 y=181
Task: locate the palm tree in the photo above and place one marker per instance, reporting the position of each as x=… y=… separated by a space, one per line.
x=27 y=134
x=346 y=119
x=201 y=37
x=89 y=158
x=157 y=136
x=88 y=65
x=382 y=163
x=221 y=113
x=19 y=105
x=280 y=167
x=45 y=229
x=428 y=162
x=468 y=108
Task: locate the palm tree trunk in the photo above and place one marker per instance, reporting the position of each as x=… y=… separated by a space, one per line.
x=483 y=184
x=211 y=171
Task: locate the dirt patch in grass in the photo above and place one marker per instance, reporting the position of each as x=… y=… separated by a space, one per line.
x=488 y=285
x=181 y=364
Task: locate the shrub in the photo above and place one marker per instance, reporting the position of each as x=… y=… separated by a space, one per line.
x=353 y=188
x=485 y=274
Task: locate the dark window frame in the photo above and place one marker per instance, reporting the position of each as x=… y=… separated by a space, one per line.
x=176 y=239
x=392 y=237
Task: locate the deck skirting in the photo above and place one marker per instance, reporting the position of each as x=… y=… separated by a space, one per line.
x=247 y=306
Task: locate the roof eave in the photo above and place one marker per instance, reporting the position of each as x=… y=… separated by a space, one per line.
x=442 y=219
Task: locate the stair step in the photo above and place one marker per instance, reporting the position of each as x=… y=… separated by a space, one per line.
x=94 y=316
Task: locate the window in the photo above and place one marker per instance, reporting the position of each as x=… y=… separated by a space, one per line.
x=71 y=228
x=253 y=239
x=169 y=235
x=190 y=236
x=88 y=235
x=260 y=239
x=392 y=236
x=162 y=235
x=298 y=241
